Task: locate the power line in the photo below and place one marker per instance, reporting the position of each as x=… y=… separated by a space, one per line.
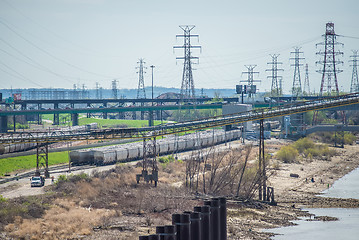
x=49 y=54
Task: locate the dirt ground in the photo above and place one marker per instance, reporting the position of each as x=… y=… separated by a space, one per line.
x=143 y=208
x=293 y=193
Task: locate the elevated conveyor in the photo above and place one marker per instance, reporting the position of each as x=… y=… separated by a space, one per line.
x=161 y=130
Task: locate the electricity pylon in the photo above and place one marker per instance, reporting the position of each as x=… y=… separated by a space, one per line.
x=297 y=84
x=354 y=86
x=187 y=87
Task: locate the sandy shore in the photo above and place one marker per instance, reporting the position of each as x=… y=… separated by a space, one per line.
x=246 y=221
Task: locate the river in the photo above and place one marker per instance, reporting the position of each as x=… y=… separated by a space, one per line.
x=345 y=228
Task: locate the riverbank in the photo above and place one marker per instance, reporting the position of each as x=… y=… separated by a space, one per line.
x=246 y=221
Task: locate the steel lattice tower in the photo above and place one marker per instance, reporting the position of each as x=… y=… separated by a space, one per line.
x=187 y=87
x=354 y=86
x=329 y=62
x=297 y=84
x=306 y=87
x=114 y=89
x=250 y=80
x=141 y=92
x=276 y=88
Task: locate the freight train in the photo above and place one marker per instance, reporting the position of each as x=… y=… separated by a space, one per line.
x=169 y=145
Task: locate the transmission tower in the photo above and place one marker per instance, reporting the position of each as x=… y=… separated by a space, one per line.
x=276 y=88
x=297 y=84
x=306 y=87
x=97 y=90
x=354 y=86
x=114 y=89
x=187 y=87
x=141 y=93
x=251 y=88
x=329 y=62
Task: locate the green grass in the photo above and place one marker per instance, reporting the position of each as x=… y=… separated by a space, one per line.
x=113 y=122
x=8 y=165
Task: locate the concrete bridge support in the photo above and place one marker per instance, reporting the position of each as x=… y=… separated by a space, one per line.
x=3 y=124
x=75 y=119
x=56 y=115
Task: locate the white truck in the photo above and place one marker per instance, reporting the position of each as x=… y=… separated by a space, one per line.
x=37 y=181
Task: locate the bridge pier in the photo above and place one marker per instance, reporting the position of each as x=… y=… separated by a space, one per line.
x=39 y=120
x=56 y=115
x=75 y=119
x=3 y=124
x=150 y=118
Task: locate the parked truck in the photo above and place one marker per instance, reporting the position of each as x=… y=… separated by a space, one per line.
x=37 y=181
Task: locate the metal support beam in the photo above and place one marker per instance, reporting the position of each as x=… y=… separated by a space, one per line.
x=42 y=159
x=262 y=164
x=149 y=150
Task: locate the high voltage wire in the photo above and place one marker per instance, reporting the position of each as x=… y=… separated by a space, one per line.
x=22 y=76
x=49 y=54
x=59 y=36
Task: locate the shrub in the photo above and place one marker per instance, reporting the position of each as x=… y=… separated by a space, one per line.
x=2 y=199
x=349 y=138
x=287 y=154
x=166 y=160
x=304 y=143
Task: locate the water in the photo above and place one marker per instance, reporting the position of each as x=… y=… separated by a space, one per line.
x=346 y=187
x=345 y=228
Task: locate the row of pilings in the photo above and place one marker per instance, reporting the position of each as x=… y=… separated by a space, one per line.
x=207 y=222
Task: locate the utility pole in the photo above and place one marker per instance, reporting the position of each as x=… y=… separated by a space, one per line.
x=276 y=88
x=114 y=89
x=141 y=92
x=354 y=86
x=306 y=87
x=187 y=87
x=297 y=84
x=251 y=88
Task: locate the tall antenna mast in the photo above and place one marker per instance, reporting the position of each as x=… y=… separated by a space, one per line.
x=354 y=86
x=297 y=84
x=141 y=92
x=187 y=87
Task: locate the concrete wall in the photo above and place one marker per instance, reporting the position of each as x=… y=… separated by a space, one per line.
x=237 y=108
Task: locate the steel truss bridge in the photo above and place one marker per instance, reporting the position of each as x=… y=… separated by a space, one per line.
x=173 y=128
x=147 y=133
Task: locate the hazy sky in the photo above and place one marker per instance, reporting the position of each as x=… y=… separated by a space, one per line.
x=59 y=43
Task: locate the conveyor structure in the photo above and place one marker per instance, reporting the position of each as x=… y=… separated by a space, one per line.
x=173 y=128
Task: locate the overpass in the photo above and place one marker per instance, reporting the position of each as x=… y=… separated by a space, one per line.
x=332 y=128
x=173 y=128
x=44 y=138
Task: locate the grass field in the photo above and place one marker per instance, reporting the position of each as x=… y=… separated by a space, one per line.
x=103 y=122
x=112 y=122
x=8 y=165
